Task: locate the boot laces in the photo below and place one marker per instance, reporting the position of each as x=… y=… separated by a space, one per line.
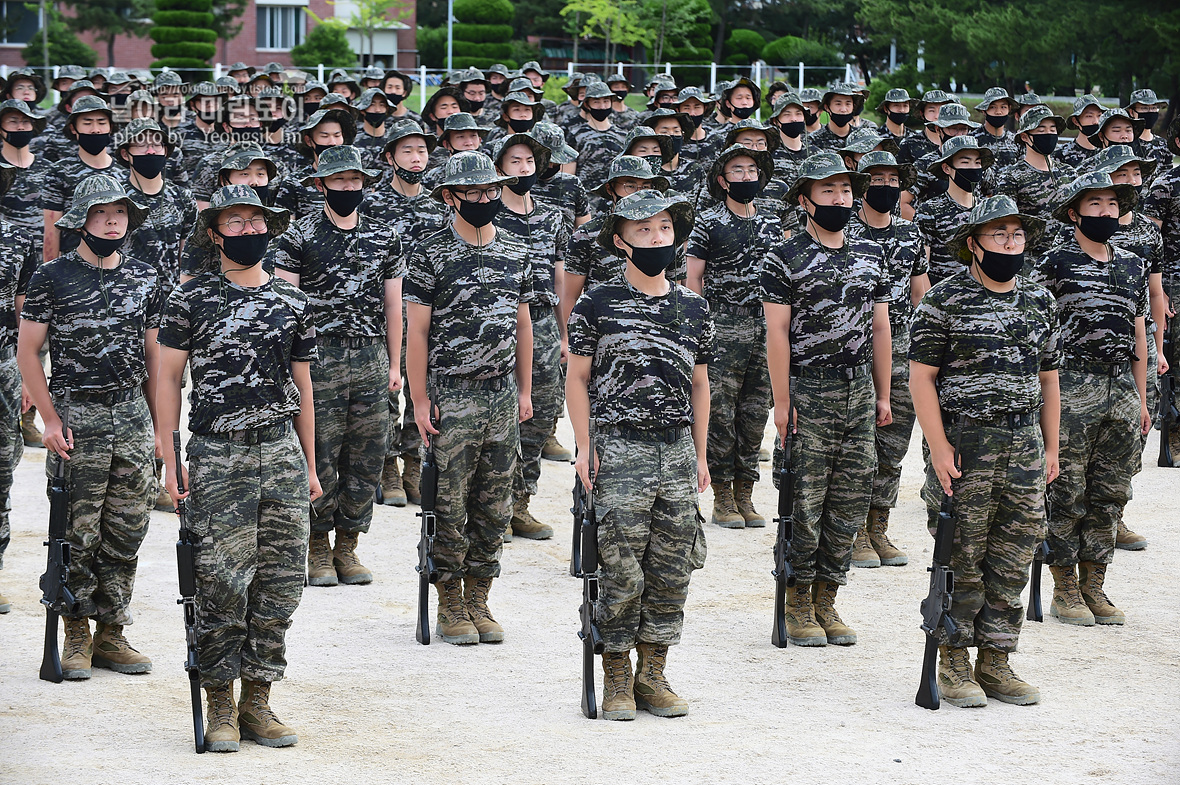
x=454 y=602
x=1096 y=588
x=76 y=636
x=1000 y=667
x=478 y=606
x=221 y=710
x=960 y=665
x=617 y=671
x=346 y=553
x=653 y=669
x=260 y=705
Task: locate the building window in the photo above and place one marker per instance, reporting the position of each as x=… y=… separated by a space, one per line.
x=18 y=25
x=280 y=26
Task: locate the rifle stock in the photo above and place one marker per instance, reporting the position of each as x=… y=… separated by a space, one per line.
x=1036 y=610
x=783 y=572
x=1168 y=415
x=186 y=569
x=427 y=571
x=55 y=591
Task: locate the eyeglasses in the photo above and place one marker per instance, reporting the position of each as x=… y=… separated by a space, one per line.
x=744 y=172
x=143 y=147
x=238 y=225
x=630 y=188
x=478 y=194
x=1000 y=237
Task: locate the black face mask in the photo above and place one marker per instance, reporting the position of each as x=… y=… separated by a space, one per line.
x=263 y=192
x=809 y=117
x=276 y=124
x=479 y=214
x=793 y=129
x=620 y=94
x=1098 y=228
x=208 y=116
x=500 y=89
x=996 y=122
x=394 y=99
x=1001 y=267
x=742 y=112
x=523 y=184
x=1149 y=119
x=601 y=114
x=319 y=148
x=94 y=143
x=475 y=106
x=656 y=161
x=898 y=118
x=967 y=179
x=677 y=144
x=149 y=166
x=103 y=246
x=310 y=108
x=652 y=262
x=246 y=250
x=1089 y=129
x=249 y=133
x=413 y=178
x=744 y=191
x=19 y=139
x=831 y=217
x=343 y=203
x=375 y=119
x=696 y=120
x=521 y=126
x=1044 y=144
x=120 y=99
x=550 y=173
x=840 y=120
x=882 y=198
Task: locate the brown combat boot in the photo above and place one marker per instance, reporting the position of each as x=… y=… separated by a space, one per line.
x=802 y=628
x=525 y=525
x=112 y=651
x=554 y=451
x=890 y=554
x=744 y=498
x=1128 y=540
x=835 y=630
x=78 y=649
x=163 y=500
x=956 y=686
x=453 y=622
x=5 y=605
x=995 y=676
x=257 y=720
x=320 y=570
x=393 y=493
x=349 y=569
x=1067 y=605
x=475 y=597
x=1091 y=576
x=725 y=512
x=412 y=477
x=28 y=429
x=221 y=722
x=652 y=691
x=863 y=554
x=618 y=686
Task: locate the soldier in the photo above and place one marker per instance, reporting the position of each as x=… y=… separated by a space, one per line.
x=658 y=141
x=309 y=97
x=558 y=187
x=566 y=113
x=662 y=93
x=927 y=141
x=1146 y=106
x=906 y=267
x=954 y=120
x=460 y=134
x=828 y=347
x=518 y=113
x=199 y=130
x=100 y=310
x=896 y=111
x=350 y=267
x=1115 y=126
x=793 y=149
x=537 y=77
x=725 y=253
x=474 y=88
x=812 y=107
x=327 y=128
x=21 y=206
x=638 y=376
x=370 y=137
x=1026 y=102
x=597 y=141
x=444 y=103
x=397 y=88
x=240 y=72
x=1101 y=293
x=962 y=163
x=469 y=352
x=697 y=107
x=739 y=101
x=625 y=117
x=841 y=103
x=499 y=78
x=249 y=339
x=983 y=370
x=997 y=108
x=342 y=84
x=1033 y=181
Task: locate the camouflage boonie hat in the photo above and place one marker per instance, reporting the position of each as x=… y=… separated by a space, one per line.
x=522 y=84
x=498 y=68
x=994 y=95
x=662 y=83
x=241 y=154
x=552 y=137
x=773 y=140
x=471 y=76
x=228 y=85
x=777 y=86
x=533 y=65
x=1109 y=159
x=689 y=93
x=907 y=175
x=1109 y=116
x=469 y=168
x=865 y=141
x=85 y=105
x=1147 y=97
x=372 y=72
x=1029 y=99
x=993 y=208
x=846 y=89
x=821 y=166
x=645 y=204
x=100 y=189
x=277 y=218
x=540 y=151
x=339 y=116
x=367 y=97
x=523 y=99
x=275 y=71
x=167 y=79
x=960 y=144
x=810 y=95
x=143 y=125
x=23 y=108
x=403 y=129
x=142 y=96
x=340 y=76
x=27 y=73
x=896 y=95
x=407 y=82
x=75 y=72
x=337 y=101
x=1037 y=115
x=1069 y=194
x=934 y=97
x=953 y=114
x=204 y=90
x=462 y=121
x=310 y=85
x=240 y=66
x=570 y=88
x=1079 y=106
x=617 y=78
x=341 y=158
x=630 y=166
x=790 y=99
x=742 y=82
x=75 y=88
x=643 y=132
x=762 y=159
x=597 y=90
x=687 y=129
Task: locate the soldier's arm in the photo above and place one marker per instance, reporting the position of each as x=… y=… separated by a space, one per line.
x=305 y=424
x=524 y=360
x=393 y=330
x=577 y=403
x=919 y=284
x=1159 y=315
x=30 y=339
x=882 y=361
x=696 y=275
x=700 y=422
x=1139 y=367
x=151 y=356
x=167 y=406
x=417 y=339
x=929 y=413
x=778 y=360
x=572 y=285
x=51 y=246
x=1051 y=422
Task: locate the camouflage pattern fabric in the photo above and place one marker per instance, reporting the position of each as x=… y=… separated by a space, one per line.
x=548 y=399
x=249 y=510
x=1005 y=148
x=567 y=193
x=1074 y=155
x=787 y=162
x=596 y=149
x=302 y=200
x=824 y=139
x=19 y=257
x=702 y=150
x=371 y=147
x=1143 y=238
x=938 y=218
x=21 y=204
x=12 y=445
x=915 y=147
x=1161 y=201
x=57 y=191
x=17 y=261
x=195 y=144
x=739 y=397
x=1035 y=193
x=650 y=538
x=1156 y=149
x=543 y=233
x=171 y=216
x=687 y=180
x=733 y=248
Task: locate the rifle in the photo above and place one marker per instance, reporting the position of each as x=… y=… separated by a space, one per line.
x=579 y=513
x=937 y=605
x=56 y=595
x=1168 y=413
x=427 y=572
x=586 y=555
x=186 y=568
x=1040 y=556
x=783 y=572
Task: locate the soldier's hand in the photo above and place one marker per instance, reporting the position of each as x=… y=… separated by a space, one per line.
x=703 y=478
x=1052 y=465
x=170 y=482
x=526 y=406
x=884 y=413
x=53 y=439
x=159 y=446
x=582 y=467
x=782 y=418
x=26 y=402
x=313 y=484
x=1144 y=420
x=942 y=458
x=422 y=419
x=395 y=378
x=565 y=350
x=1163 y=365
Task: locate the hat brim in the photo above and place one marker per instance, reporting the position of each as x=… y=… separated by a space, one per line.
x=1137 y=126
x=1147 y=166
x=658 y=181
x=683 y=218
x=277 y=221
x=541 y=153
x=859 y=180
x=538 y=114
x=987 y=159
x=75 y=217
x=1126 y=194
x=1034 y=229
x=372 y=176
x=762 y=158
x=907 y=174
x=469 y=180
x=39 y=121
x=1058 y=121
x=391 y=145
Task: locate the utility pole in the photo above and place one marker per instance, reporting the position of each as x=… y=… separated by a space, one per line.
x=450 y=36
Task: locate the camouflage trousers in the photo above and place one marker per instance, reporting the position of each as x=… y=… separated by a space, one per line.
x=477 y=448
x=1153 y=388
x=12 y=445
x=739 y=397
x=548 y=397
x=834 y=464
x=893 y=440
x=249 y=508
x=350 y=386
x=404 y=438
x=650 y=538
x=110 y=475
x=999 y=507
x=1099 y=454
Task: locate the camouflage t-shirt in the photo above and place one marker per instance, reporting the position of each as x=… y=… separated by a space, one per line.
x=733 y=248
x=1142 y=238
x=172 y=213
x=342 y=272
x=1005 y=148
x=1162 y=202
x=1074 y=155
x=19 y=257
x=22 y=204
x=831 y=292
x=989 y=347
x=824 y=139
x=567 y=193
x=643 y=352
x=241 y=343
x=301 y=200
x=688 y=180
x=938 y=219
x=195 y=144
x=915 y=147
x=788 y=162
x=703 y=150
x=57 y=190
x=1156 y=149
x=1035 y=193
x=474 y=293
x=96 y=319
x=413 y=218
x=596 y=149
x=543 y=232
x=905 y=258
x=584 y=256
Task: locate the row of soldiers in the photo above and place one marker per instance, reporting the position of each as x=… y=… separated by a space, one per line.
x=279 y=279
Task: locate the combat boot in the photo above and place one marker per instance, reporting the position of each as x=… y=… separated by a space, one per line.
x=890 y=554
x=725 y=512
x=78 y=649
x=652 y=691
x=221 y=722
x=744 y=498
x=320 y=570
x=1092 y=575
x=763 y=455
x=393 y=493
x=956 y=686
x=1067 y=605
x=1128 y=540
x=995 y=676
x=257 y=720
x=412 y=477
x=453 y=622
x=525 y=525
x=554 y=451
x=112 y=651
x=618 y=686
x=28 y=429
x=5 y=605
x=475 y=597
x=863 y=554
x=802 y=628
x=824 y=601
x=349 y=569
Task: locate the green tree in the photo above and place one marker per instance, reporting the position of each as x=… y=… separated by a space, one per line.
x=327 y=44
x=65 y=48
x=107 y=19
x=373 y=15
x=790 y=50
x=183 y=39
x=681 y=27
x=617 y=22
x=226 y=16
x=743 y=46
x=483 y=33
x=432 y=46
